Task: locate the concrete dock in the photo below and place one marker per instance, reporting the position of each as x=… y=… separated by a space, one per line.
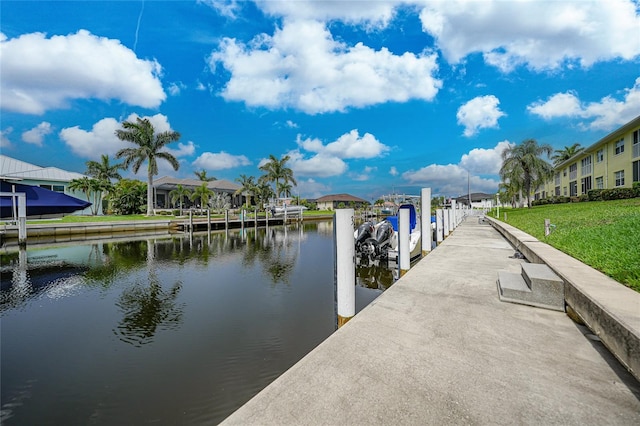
x=439 y=347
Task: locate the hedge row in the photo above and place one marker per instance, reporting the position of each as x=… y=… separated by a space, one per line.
x=594 y=195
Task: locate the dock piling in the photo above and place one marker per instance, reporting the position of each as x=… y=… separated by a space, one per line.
x=345 y=265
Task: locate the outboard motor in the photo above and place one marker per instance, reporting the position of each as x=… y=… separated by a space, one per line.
x=376 y=247
x=365 y=231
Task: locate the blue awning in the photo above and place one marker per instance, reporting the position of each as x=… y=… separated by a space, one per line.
x=40 y=201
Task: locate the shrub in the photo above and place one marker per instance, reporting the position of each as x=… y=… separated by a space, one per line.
x=583 y=197
x=595 y=194
x=618 y=193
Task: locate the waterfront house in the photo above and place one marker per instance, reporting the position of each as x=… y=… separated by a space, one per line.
x=163 y=186
x=332 y=202
x=51 y=178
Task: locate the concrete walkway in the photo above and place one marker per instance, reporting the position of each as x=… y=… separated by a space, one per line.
x=439 y=348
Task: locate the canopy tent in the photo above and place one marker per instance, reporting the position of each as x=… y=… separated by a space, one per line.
x=40 y=201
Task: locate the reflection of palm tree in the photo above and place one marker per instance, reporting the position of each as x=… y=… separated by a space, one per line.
x=147 y=310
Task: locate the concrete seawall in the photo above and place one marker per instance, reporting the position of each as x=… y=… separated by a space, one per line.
x=438 y=347
x=611 y=310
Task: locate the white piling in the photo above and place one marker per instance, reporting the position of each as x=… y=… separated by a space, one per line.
x=445 y=224
x=226 y=219
x=454 y=215
x=190 y=220
x=209 y=221
x=404 y=252
x=345 y=265
x=547 y=227
x=425 y=220
x=439 y=223
x=22 y=219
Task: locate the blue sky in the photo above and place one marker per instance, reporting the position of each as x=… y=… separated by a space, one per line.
x=366 y=97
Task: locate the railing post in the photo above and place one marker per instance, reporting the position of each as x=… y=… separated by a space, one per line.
x=404 y=252
x=425 y=220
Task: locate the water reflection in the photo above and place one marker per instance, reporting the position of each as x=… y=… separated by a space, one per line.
x=220 y=315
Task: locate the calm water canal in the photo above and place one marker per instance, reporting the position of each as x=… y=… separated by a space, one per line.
x=164 y=330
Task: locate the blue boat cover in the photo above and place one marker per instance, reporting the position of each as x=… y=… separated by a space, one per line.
x=40 y=201
x=412 y=217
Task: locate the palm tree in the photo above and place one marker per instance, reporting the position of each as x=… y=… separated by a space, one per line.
x=150 y=148
x=284 y=188
x=562 y=155
x=247 y=186
x=202 y=175
x=276 y=169
x=202 y=193
x=103 y=170
x=92 y=189
x=179 y=194
x=522 y=164
x=263 y=192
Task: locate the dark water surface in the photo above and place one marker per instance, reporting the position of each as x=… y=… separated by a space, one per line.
x=172 y=330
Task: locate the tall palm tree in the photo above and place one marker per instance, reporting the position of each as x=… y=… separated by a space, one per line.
x=276 y=169
x=523 y=164
x=263 y=192
x=103 y=170
x=202 y=175
x=247 y=186
x=92 y=189
x=178 y=194
x=202 y=193
x=562 y=155
x=284 y=188
x=150 y=149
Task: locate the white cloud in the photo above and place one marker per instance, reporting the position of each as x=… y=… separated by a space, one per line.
x=373 y=14
x=558 y=105
x=349 y=145
x=102 y=139
x=328 y=160
x=4 y=138
x=311 y=189
x=220 y=161
x=606 y=114
x=36 y=135
x=184 y=150
x=475 y=168
x=176 y=87
x=301 y=66
x=481 y=112
x=317 y=166
x=227 y=8
x=562 y=32
x=40 y=74
x=290 y=124
x=393 y=171
x=484 y=161
x=364 y=175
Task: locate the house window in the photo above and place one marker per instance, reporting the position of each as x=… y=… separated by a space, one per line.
x=564 y=172
x=557 y=180
x=635 y=166
x=620 y=146
x=636 y=144
x=573 y=171
x=585 y=164
x=55 y=188
x=586 y=184
x=599 y=183
x=619 y=178
x=600 y=156
x=573 y=188
x=557 y=192
x=564 y=191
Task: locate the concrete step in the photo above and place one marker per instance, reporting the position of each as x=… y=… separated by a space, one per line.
x=534 y=286
x=545 y=284
x=512 y=287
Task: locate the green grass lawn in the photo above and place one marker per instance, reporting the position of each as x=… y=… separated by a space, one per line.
x=603 y=234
